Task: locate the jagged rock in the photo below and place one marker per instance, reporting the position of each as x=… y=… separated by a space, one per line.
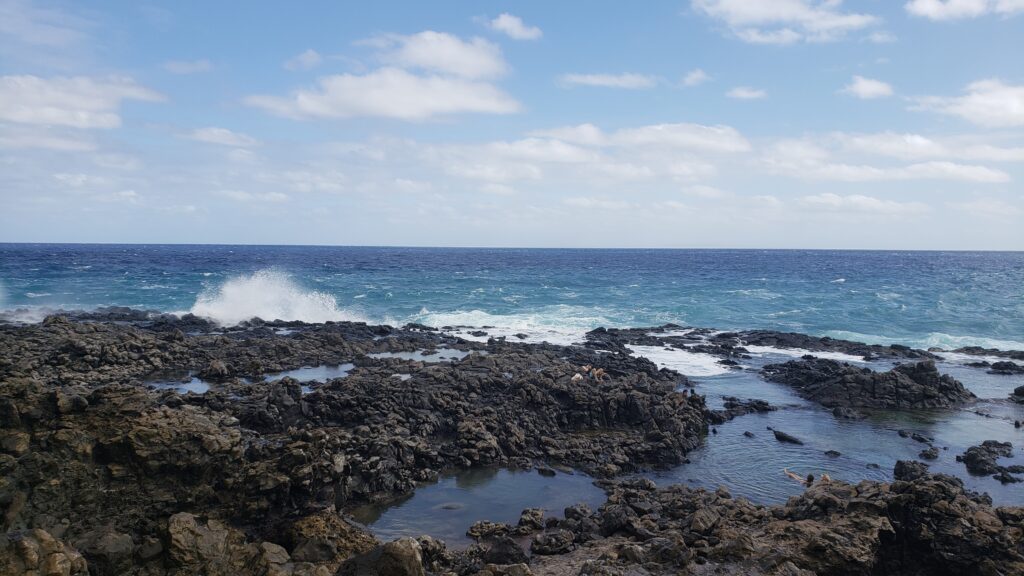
x=836 y=384
x=554 y=542
x=37 y=553
x=402 y=557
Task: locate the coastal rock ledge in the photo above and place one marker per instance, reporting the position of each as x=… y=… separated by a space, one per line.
x=836 y=384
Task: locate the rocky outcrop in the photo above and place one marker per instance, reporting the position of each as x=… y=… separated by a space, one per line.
x=837 y=384
x=982 y=461
x=248 y=478
x=919 y=524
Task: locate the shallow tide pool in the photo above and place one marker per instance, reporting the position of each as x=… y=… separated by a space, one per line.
x=449 y=507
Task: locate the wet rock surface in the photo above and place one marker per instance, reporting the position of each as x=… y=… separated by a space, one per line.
x=982 y=460
x=919 y=524
x=730 y=345
x=103 y=473
x=253 y=476
x=835 y=384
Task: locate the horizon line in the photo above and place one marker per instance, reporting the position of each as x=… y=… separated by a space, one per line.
x=462 y=247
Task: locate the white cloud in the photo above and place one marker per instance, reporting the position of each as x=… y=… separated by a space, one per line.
x=305 y=61
x=514 y=27
x=243 y=196
x=628 y=81
x=830 y=202
x=389 y=93
x=598 y=203
x=881 y=37
x=696 y=137
x=785 y=21
x=78 y=102
x=917 y=147
x=443 y=53
x=867 y=88
x=988 y=103
x=746 y=93
x=807 y=160
x=120 y=197
x=223 y=136
x=695 y=77
x=42 y=138
x=188 y=66
x=23 y=22
x=960 y=9
x=988 y=208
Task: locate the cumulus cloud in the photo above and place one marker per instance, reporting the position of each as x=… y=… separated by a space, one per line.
x=989 y=103
x=513 y=27
x=746 y=93
x=961 y=9
x=305 y=61
x=443 y=53
x=867 y=88
x=785 y=21
x=695 y=77
x=388 y=93
x=223 y=136
x=628 y=80
x=188 y=66
x=427 y=74
x=76 y=102
x=830 y=202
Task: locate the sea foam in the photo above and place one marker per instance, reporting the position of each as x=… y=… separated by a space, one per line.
x=270 y=295
x=932 y=340
x=560 y=324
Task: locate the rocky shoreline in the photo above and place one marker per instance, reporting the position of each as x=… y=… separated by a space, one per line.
x=102 y=472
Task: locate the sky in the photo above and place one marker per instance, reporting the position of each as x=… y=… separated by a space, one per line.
x=873 y=124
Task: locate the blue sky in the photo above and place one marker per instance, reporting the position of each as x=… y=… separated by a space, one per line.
x=704 y=123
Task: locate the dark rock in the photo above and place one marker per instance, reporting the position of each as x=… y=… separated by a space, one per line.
x=504 y=550
x=554 y=542
x=403 y=557
x=788 y=438
x=836 y=384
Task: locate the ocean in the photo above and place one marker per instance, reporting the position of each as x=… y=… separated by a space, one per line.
x=921 y=299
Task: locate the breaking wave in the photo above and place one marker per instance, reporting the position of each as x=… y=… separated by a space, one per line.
x=269 y=295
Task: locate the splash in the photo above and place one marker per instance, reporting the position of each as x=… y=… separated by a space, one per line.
x=270 y=295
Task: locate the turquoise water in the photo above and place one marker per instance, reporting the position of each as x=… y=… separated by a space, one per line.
x=946 y=299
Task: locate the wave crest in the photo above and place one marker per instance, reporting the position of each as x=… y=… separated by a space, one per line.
x=270 y=295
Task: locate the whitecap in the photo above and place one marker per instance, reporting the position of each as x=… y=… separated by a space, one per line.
x=682 y=361
x=37 y=294
x=561 y=324
x=931 y=340
x=839 y=281
x=800 y=352
x=270 y=295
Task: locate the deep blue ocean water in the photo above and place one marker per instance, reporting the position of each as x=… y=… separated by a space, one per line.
x=943 y=299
